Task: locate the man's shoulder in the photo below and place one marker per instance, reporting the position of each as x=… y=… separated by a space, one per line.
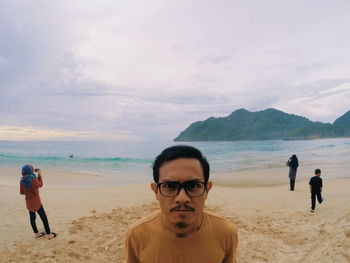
x=219 y=222
x=145 y=221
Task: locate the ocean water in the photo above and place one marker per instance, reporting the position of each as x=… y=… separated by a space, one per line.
x=129 y=162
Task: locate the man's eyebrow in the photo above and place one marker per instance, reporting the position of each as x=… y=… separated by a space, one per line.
x=194 y=181
x=188 y=181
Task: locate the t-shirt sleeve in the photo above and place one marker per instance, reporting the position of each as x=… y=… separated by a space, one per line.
x=231 y=255
x=310 y=182
x=321 y=184
x=131 y=250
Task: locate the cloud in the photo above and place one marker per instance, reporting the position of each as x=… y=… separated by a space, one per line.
x=319 y=101
x=28 y=133
x=133 y=69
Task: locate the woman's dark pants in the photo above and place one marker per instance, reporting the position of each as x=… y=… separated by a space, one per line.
x=292 y=184
x=43 y=217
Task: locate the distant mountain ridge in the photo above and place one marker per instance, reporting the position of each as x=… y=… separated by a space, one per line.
x=269 y=124
x=343 y=120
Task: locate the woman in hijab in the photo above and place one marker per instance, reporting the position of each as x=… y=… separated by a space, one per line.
x=29 y=186
x=293 y=164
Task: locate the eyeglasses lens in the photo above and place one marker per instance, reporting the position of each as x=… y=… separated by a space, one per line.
x=192 y=188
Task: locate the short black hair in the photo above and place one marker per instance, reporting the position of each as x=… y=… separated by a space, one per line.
x=317 y=171
x=176 y=152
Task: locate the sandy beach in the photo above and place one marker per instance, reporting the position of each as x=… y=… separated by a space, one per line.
x=275 y=225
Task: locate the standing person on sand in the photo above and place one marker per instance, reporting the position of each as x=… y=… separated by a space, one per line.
x=181 y=231
x=316 y=185
x=293 y=164
x=29 y=186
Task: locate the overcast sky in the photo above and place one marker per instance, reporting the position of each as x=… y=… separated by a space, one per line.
x=145 y=70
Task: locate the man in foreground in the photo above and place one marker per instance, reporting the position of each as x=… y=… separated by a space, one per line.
x=181 y=231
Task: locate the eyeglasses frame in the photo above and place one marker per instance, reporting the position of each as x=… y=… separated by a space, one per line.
x=182 y=185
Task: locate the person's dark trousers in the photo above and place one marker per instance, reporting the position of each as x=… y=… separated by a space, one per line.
x=43 y=217
x=313 y=199
x=292 y=184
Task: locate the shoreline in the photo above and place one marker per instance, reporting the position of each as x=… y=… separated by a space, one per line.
x=244 y=178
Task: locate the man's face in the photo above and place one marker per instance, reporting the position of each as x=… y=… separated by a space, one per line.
x=181 y=212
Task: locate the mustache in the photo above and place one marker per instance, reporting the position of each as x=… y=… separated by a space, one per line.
x=182 y=207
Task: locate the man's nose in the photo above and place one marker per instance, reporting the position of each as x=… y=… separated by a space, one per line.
x=182 y=197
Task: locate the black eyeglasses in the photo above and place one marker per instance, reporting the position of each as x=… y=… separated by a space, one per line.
x=192 y=188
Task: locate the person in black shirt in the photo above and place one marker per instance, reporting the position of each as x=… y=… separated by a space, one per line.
x=293 y=164
x=316 y=189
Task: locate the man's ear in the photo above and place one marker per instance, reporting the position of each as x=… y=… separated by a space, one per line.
x=209 y=185
x=154 y=187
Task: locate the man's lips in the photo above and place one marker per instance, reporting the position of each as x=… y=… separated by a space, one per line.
x=182 y=209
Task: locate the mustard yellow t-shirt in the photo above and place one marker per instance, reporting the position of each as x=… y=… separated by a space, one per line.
x=148 y=242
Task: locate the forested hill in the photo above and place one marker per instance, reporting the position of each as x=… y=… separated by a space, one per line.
x=343 y=120
x=270 y=124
